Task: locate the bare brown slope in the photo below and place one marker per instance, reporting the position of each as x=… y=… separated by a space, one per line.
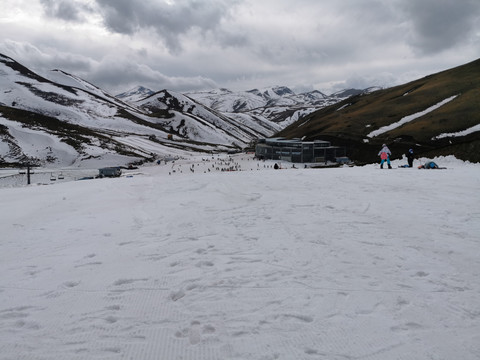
x=348 y=123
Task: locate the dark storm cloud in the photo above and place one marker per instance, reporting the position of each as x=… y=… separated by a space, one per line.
x=67 y=10
x=169 y=20
x=441 y=24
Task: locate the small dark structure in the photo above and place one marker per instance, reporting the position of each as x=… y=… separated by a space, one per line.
x=109 y=172
x=298 y=151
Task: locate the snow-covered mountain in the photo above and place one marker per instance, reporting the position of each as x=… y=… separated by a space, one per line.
x=227 y=101
x=271 y=108
x=201 y=123
x=64 y=120
x=277 y=104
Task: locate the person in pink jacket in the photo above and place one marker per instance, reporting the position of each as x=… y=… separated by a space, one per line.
x=385 y=156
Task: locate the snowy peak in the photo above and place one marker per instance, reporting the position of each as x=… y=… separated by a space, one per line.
x=313 y=96
x=166 y=100
x=282 y=91
x=137 y=93
x=270 y=93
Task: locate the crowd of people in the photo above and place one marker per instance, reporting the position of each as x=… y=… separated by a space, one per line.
x=217 y=163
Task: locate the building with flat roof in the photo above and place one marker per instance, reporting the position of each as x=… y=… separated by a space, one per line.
x=298 y=151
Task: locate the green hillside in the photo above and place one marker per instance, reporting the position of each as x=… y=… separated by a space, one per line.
x=348 y=123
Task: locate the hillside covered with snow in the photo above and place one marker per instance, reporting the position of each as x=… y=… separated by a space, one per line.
x=66 y=121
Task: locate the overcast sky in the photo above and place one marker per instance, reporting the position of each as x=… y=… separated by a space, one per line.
x=186 y=45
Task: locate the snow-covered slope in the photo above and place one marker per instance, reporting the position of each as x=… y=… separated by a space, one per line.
x=170 y=263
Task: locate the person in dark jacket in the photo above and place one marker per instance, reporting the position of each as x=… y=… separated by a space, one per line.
x=410 y=157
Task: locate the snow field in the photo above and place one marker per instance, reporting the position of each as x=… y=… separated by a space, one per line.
x=288 y=264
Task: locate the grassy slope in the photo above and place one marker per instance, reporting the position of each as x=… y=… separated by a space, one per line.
x=350 y=125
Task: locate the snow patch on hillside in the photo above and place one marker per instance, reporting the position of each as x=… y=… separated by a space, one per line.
x=465 y=132
x=409 y=118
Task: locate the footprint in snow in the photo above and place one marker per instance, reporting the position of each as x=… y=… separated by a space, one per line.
x=71 y=284
x=120 y=282
x=177 y=295
x=195 y=332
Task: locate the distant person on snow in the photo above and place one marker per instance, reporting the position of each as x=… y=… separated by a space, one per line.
x=429 y=165
x=410 y=157
x=385 y=156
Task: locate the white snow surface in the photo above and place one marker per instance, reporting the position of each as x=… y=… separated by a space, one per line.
x=409 y=118
x=185 y=261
